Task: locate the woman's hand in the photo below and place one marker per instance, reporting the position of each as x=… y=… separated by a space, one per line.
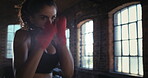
x=61 y=27
x=66 y=59
x=46 y=35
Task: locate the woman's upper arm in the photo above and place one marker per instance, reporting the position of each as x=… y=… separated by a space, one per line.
x=21 y=46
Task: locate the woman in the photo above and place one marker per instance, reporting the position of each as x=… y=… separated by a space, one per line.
x=41 y=44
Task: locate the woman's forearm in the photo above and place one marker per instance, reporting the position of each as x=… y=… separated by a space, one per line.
x=66 y=62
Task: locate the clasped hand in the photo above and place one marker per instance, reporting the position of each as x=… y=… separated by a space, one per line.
x=57 y=28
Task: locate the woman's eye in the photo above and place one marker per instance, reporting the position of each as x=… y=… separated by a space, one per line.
x=53 y=18
x=44 y=18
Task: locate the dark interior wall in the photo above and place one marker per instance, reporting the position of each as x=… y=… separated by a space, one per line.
x=99 y=12
x=145 y=37
x=8 y=13
x=5 y=64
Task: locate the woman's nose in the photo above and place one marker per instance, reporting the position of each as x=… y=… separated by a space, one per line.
x=50 y=20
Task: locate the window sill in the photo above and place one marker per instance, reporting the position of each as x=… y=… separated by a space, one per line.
x=118 y=74
x=80 y=69
x=107 y=74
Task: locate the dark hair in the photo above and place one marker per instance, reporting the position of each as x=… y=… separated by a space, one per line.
x=30 y=7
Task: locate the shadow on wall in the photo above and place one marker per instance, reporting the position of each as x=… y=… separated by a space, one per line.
x=6 y=72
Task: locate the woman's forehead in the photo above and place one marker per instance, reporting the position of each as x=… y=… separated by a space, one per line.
x=48 y=11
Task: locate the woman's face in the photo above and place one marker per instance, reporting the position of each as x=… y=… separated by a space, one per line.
x=46 y=14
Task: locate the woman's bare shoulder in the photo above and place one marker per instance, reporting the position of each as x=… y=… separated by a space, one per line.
x=21 y=35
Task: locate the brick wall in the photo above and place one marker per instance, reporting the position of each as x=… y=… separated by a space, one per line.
x=80 y=12
x=98 y=11
x=3 y=40
x=103 y=57
x=4 y=63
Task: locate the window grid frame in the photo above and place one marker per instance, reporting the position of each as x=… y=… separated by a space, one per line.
x=14 y=27
x=67 y=34
x=82 y=47
x=137 y=40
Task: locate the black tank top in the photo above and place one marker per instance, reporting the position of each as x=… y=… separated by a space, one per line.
x=48 y=61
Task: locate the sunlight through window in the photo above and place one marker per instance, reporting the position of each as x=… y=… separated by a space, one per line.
x=67 y=38
x=86 y=45
x=10 y=37
x=128 y=40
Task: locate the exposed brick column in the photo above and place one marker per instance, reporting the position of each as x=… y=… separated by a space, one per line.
x=97 y=43
x=101 y=43
x=73 y=44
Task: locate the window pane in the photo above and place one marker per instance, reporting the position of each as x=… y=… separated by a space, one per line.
x=67 y=33
x=117 y=18
x=117 y=49
x=89 y=27
x=128 y=40
x=89 y=49
x=82 y=50
x=125 y=64
x=124 y=16
x=9 y=45
x=10 y=28
x=84 y=62
x=118 y=64
x=83 y=39
x=133 y=47
x=140 y=50
x=132 y=13
x=117 y=33
x=125 y=47
x=87 y=62
x=139 y=12
x=140 y=66
x=86 y=45
x=10 y=36
x=16 y=27
x=89 y=39
x=124 y=32
x=139 y=29
x=9 y=54
x=133 y=31
x=134 y=65
x=90 y=62
x=83 y=29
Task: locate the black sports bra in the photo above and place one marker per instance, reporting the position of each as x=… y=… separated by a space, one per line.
x=48 y=61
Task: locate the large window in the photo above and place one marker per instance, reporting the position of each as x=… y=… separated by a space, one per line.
x=128 y=40
x=86 y=45
x=67 y=38
x=10 y=37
